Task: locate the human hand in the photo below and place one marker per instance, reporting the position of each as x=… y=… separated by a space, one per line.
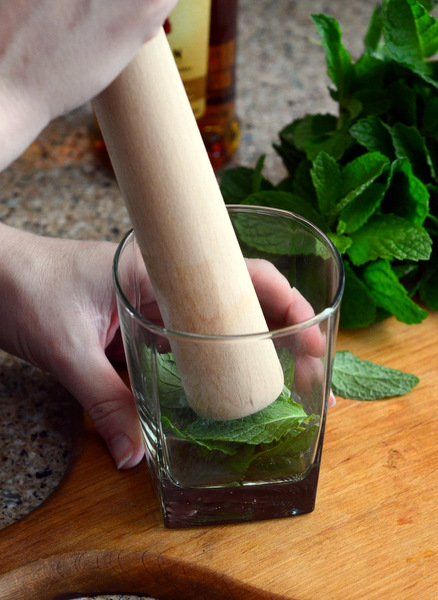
x=58 y=311
x=284 y=306
x=57 y=54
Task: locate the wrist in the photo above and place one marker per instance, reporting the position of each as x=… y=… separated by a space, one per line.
x=22 y=118
x=16 y=260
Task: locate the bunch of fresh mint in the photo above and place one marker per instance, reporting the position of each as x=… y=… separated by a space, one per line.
x=368 y=176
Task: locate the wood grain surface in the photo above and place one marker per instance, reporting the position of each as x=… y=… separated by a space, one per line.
x=373 y=534
x=186 y=238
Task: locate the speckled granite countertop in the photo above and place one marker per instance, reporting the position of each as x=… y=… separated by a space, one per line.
x=59 y=188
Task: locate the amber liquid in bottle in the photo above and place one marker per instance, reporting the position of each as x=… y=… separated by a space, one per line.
x=219 y=125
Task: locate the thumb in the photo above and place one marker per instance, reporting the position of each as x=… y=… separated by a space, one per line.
x=97 y=386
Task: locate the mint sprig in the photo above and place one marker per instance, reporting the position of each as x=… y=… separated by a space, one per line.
x=368 y=176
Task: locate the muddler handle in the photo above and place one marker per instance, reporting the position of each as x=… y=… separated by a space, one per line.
x=192 y=256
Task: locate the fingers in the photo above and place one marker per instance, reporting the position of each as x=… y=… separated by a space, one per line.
x=284 y=305
x=309 y=373
x=311 y=341
x=109 y=403
x=332 y=399
x=90 y=377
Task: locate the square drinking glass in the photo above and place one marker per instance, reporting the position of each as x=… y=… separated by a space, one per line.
x=265 y=465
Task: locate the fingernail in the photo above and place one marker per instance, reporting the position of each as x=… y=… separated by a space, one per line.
x=121 y=449
x=332 y=399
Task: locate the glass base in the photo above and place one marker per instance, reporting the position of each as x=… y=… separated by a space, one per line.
x=191 y=507
x=195 y=507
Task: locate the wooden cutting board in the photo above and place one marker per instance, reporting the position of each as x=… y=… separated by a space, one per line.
x=373 y=534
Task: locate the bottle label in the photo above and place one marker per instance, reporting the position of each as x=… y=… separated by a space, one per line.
x=188 y=32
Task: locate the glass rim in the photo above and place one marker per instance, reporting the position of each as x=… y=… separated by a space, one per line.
x=274 y=333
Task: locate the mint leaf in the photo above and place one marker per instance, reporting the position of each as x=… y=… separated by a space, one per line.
x=370 y=73
x=267 y=235
x=258 y=181
x=372 y=101
x=225 y=447
x=374 y=32
x=288 y=366
x=364 y=380
x=389 y=293
x=265 y=426
x=373 y=134
x=358 y=308
x=313 y=134
x=287 y=449
x=404 y=107
x=311 y=130
x=411 y=35
x=236 y=184
x=335 y=189
x=326 y=177
x=389 y=236
x=409 y=143
x=342 y=242
x=429 y=4
x=357 y=213
x=302 y=184
x=287 y=201
x=407 y=195
x=170 y=388
x=339 y=67
x=287 y=150
x=358 y=174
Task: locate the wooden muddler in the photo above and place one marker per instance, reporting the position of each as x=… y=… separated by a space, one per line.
x=194 y=261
